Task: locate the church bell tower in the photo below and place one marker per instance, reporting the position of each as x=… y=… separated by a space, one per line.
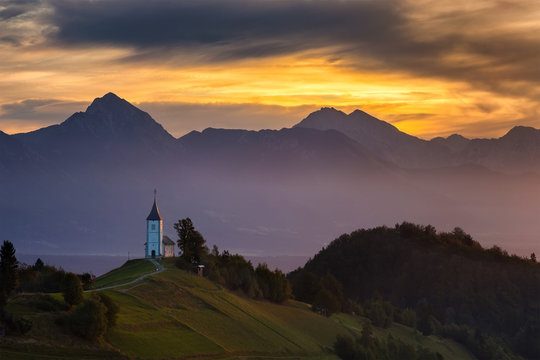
x=154 y=232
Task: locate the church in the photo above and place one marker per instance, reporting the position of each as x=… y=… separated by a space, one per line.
x=157 y=245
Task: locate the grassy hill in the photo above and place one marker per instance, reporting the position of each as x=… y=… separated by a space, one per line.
x=175 y=314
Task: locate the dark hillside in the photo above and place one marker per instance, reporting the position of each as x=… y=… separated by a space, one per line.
x=447 y=275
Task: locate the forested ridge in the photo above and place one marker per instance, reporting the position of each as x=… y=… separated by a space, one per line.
x=485 y=298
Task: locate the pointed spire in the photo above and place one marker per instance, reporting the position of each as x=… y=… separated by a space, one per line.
x=154 y=213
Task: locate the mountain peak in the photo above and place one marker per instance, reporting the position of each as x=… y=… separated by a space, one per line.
x=110 y=102
x=359 y=112
x=113 y=117
x=329 y=109
x=518 y=132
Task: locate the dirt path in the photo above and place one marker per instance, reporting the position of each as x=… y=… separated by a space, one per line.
x=157 y=270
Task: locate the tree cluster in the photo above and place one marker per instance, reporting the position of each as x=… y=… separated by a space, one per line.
x=236 y=273
x=434 y=280
x=368 y=347
x=45 y=278
x=92 y=318
x=230 y=270
x=324 y=293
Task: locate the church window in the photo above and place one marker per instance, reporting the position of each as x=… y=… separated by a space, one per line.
x=153 y=226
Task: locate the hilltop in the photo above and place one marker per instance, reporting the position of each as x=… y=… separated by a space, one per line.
x=485 y=297
x=175 y=314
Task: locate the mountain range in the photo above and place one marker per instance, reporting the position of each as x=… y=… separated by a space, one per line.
x=85 y=185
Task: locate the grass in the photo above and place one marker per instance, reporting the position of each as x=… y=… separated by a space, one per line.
x=175 y=314
x=131 y=270
x=178 y=314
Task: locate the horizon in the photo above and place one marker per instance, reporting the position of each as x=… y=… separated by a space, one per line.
x=295 y=122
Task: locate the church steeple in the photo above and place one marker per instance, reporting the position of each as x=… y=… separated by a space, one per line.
x=154 y=213
x=154 y=232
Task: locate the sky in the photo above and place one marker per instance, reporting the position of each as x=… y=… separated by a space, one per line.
x=431 y=68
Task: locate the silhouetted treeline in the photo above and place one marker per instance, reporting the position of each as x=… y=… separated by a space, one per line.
x=432 y=280
x=236 y=273
x=45 y=278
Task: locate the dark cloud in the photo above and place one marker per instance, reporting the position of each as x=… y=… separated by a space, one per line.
x=39 y=111
x=14 y=8
x=24 y=109
x=143 y=23
x=461 y=45
x=234 y=29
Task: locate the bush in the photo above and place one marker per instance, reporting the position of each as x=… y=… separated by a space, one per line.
x=345 y=347
x=88 y=320
x=112 y=309
x=45 y=302
x=87 y=280
x=17 y=325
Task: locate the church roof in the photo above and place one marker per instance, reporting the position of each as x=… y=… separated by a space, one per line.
x=154 y=213
x=167 y=240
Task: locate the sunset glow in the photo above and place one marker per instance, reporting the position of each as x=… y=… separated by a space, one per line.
x=430 y=68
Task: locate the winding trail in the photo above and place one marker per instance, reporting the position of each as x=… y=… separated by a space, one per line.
x=158 y=269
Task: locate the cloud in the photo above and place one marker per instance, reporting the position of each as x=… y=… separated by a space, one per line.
x=31 y=114
x=431 y=56
x=177 y=118
x=488 y=44
x=13 y=8
x=181 y=118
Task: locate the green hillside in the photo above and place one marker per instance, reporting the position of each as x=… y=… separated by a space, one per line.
x=131 y=270
x=175 y=314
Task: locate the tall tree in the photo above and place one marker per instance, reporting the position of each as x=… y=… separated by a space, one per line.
x=72 y=289
x=8 y=271
x=190 y=241
x=39 y=264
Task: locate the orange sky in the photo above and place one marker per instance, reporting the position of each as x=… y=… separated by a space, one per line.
x=431 y=68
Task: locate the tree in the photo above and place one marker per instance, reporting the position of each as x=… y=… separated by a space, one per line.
x=345 y=347
x=112 y=309
x=86 y=279
x=367 y=335
x=326 y=303
x=533 y=257
x=38 y=265
x=72 y=289
x=8 y=271
x=190 y=241
x=305 y=286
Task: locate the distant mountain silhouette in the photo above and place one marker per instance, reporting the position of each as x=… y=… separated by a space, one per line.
x=455 y=143
x=517 y=151
x=109 y=128
x=379 y=137
x=86 y=184
x=268 y=150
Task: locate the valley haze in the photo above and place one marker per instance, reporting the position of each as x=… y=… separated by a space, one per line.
x=85 y=186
